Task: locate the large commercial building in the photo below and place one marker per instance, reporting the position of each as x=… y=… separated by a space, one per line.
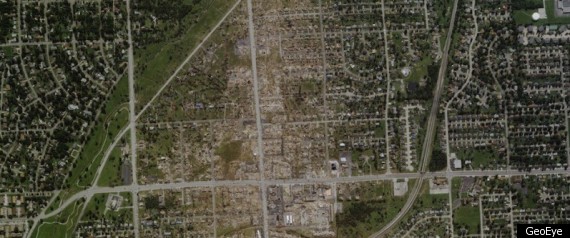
x=564 y=6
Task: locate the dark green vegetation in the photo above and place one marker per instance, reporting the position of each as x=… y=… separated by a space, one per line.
x=375 y=208
x=204 y=88
x=443 y=9
x=162 y=46
x=527 y=4
x=438 y=160
x=7 y=16
x=425 y=203
x=466 y=218
x=417 y=91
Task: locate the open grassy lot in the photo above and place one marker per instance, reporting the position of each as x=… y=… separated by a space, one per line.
x=420 y=69
x=468 y=216
x=525 y=16
x=113 y=118
x=60 y=225
x=111 y=174
x=480 y=158
x=229 y=152
x=428 y=201
x=376 y=207
x=157 y=61
x=96 y=209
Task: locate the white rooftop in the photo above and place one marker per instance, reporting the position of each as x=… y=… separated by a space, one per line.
x=457 y=164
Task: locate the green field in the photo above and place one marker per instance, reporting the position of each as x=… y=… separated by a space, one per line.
x=420 y=70
x=480 y=158
x=468 y=216
x=111 y=173
x=455 y=186
x=96 y=209
x=525 y=16
x=376 y=208
x=156 y=62
x=428 y=201
x=113 y=118
x=61 y=225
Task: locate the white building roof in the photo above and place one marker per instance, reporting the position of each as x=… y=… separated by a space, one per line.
x=457 y=164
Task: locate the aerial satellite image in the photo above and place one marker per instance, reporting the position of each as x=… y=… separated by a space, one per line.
x=284 y=118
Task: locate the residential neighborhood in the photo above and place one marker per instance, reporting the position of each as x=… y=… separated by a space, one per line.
x=283 y=118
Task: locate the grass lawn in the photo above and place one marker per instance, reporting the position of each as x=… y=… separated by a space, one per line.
x=443 y=9
x=455 y=185
x=525 y=16
x=128 y=201
x=60 y=225
x=380 y=130
x=362 y=218
x=468 y=216
x=96 y=209
x=420 y=70
x=96 y=206
x=428 y=201
x=230 y=151
x=479 y=157
x=114 y=117
x=161 y=59
x=111 y=174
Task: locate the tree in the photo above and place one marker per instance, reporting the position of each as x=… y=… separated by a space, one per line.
x=151 y=202
x=438 y=160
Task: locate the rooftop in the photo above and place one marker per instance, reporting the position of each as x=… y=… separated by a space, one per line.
x=564 y=5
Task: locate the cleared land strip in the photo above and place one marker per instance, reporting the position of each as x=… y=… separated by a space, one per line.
x=181 y=66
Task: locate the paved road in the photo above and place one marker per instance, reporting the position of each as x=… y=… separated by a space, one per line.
x=387 y=105
x=253 y=49
x=430 y=129
x=220 y=183
x=132 y=124
x=108 y=154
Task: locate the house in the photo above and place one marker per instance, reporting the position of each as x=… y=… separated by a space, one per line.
x=457 y=164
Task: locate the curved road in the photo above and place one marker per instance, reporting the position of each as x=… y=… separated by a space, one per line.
x=431 y=128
